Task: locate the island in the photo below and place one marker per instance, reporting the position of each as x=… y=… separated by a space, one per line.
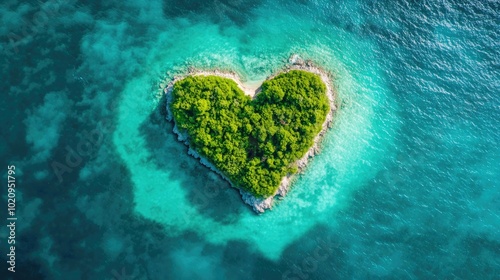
x=255 y=139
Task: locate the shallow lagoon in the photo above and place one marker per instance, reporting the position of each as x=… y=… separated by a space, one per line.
x=406 y=185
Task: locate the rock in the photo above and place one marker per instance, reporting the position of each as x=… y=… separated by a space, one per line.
x=295 y=59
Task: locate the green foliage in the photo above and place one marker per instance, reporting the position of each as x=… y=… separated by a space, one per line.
x=254 y=142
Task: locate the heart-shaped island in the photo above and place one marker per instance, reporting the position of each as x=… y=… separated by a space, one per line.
x=257 y=143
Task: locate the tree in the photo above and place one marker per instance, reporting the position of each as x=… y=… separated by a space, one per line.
x=253 y=142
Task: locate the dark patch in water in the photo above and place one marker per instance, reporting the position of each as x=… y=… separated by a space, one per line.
x=208 y=192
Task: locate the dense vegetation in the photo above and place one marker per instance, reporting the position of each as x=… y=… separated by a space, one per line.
x=254 y=142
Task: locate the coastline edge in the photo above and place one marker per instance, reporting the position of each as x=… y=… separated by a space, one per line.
x=259 y=205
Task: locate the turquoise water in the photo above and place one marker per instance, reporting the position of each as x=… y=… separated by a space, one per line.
x=406 y=186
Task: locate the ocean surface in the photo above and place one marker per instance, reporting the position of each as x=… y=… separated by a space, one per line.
x=407 y=185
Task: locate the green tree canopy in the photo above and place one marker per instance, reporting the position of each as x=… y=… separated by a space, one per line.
x=253 y=142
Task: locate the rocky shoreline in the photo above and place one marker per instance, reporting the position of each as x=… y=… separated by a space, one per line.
x=295 y=63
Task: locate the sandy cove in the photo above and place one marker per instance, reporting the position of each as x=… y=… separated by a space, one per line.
x=295 y=63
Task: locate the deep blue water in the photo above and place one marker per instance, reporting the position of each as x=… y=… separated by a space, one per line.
x=407 y=185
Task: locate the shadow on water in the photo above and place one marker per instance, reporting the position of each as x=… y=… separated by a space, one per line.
x=319 y=252
x=206 y=191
